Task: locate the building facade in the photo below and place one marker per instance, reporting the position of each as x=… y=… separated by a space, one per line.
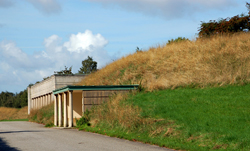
x=41 y=94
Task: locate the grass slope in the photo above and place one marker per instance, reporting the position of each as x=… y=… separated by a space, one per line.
x=45 y=115
x=13 y=113
x=218 y=60
x=185 y=118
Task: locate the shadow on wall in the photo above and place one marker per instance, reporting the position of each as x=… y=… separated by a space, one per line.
x=5 y=147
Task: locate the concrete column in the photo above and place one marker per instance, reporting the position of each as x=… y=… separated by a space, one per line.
x=34 y=107
x=51 y=98
x=36 y=103
x=60 y=109
x=55 y=110
x=82 y=103
x=65 y=121
x=40 y=102
x=46 y=99
x=43 y=102
x=32 y=104
x=70 y=108
x=29 y=100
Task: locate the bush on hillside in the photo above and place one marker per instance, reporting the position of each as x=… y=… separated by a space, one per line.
x=227 y=25
x=179 y=39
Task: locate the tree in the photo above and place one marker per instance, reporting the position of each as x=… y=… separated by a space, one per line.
x=64 y=72
x=88 y=66
x=228 y=25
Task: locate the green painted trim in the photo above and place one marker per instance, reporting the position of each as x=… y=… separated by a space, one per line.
x=89 y=88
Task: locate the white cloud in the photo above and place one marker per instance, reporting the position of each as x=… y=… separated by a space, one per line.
x=85 y=42
x=20 y=69
x=46 y=6
x=13 y=55
x=168 y=9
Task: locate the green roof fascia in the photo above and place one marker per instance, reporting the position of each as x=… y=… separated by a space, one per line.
x=89 y=88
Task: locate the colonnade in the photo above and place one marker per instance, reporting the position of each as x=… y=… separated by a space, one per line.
x=65 y=98
x=40 y=101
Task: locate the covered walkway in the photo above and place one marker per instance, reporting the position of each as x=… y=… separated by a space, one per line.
x=70 y=102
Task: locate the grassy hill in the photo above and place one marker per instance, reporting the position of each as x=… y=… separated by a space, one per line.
x=218 y=60
x=212 y=118
x=207 y=108
x=13 y=113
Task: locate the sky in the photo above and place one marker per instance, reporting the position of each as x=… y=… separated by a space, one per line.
x=38 y=37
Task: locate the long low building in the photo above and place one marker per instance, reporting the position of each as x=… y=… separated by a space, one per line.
x=70 y=101
x=41 y=94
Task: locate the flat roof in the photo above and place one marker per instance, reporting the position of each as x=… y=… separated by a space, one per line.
x=91 y=88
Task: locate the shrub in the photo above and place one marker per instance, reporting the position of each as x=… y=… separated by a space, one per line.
x=84 y=120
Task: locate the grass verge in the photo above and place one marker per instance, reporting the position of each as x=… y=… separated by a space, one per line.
x=215 y=118
x=45 y=115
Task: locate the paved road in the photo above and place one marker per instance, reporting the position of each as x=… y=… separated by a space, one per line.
x=27 y=136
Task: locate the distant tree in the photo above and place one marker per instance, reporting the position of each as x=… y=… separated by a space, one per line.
x=66 y=71
x=88 y=66
x=18 y=100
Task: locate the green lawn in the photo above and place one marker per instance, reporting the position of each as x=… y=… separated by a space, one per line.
x=202 y=119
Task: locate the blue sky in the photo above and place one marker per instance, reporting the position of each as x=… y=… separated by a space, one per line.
x=38 y=37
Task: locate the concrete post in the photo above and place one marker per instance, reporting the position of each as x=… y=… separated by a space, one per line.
x=38 y=102
x=31 y=104
x=46 y=99
x=49 y=98
x=82 y=103
x=65 y=121
x=60 y=109
x=29 y=99
x=34 y=103
x=41 y=105
x=70 y=108
x=55 y=110
x=43 y=101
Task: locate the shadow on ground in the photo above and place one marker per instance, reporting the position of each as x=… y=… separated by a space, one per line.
x=18 y=132
x=5 y=147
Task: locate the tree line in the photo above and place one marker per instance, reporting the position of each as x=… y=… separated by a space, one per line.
x=17 y=100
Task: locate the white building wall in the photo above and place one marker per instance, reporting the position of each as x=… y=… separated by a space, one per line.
x=46 y=87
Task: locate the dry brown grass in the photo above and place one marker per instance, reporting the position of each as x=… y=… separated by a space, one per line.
x=13 y=113
x=217 y=60
x=115 y=111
